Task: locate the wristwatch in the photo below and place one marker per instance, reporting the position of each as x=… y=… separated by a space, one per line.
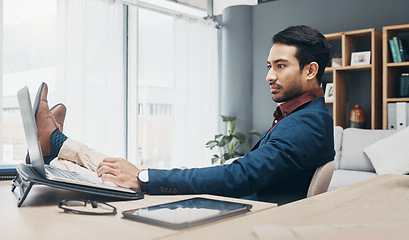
x=143 y=178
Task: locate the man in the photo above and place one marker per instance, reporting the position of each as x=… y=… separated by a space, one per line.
x=280 y=166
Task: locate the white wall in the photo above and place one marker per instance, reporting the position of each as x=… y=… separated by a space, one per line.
x=269 y=18
x=1 y=72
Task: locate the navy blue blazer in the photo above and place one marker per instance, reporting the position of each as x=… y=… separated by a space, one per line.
x=278 y=169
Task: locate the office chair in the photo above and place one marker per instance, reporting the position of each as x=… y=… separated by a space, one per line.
x=321 y=179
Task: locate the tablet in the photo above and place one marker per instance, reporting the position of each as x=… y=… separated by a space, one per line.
x=186 y=213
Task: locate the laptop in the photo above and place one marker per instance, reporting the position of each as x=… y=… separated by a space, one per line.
x=49 y=172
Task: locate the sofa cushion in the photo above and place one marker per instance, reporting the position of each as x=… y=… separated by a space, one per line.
x=337 y=144
x=354 y=140
x=342 y=178
x=391 y=154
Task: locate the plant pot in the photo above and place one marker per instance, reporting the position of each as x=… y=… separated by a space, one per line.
x=336 y=62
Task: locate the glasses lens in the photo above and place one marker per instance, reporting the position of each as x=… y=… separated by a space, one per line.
x=88 y=207
x=75 y=203
x=99 y=208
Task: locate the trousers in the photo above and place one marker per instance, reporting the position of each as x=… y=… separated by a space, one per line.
x=76 y=156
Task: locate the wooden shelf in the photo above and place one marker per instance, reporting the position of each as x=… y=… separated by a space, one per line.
x=333 y=36
x=397 y=64
x=355 y=68
x=348 y=68
x=398 y=28
x=339 y=74
x=391 y=70
x=397 y=100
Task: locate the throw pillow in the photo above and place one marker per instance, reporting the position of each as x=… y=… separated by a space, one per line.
x=391 y=154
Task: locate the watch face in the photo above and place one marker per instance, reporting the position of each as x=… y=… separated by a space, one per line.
x=144 y=176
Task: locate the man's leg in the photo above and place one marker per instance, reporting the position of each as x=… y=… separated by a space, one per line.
x=54 y=143
x=80 y=154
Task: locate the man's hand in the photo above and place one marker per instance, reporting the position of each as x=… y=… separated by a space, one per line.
x=120 y=172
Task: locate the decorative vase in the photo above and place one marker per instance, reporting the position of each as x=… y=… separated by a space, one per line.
x=336 y=62
x=357 y=117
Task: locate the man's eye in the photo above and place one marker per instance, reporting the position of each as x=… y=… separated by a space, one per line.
x=268 y=66
x=280 y=65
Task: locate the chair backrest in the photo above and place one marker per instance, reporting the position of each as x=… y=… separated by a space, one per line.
x=321 y=179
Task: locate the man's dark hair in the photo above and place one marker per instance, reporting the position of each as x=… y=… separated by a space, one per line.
x=311 y=45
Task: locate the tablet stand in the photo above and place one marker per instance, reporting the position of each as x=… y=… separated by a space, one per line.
x=25 y=187
x=27 y=177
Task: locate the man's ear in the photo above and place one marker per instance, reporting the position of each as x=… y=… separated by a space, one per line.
x=312 y=70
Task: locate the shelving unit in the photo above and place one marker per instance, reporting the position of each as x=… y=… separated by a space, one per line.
x=392 y=70
x=369 y=40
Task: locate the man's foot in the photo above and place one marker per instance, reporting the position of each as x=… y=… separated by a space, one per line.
x=46 y=123
x=58 y=112
x=52 y=119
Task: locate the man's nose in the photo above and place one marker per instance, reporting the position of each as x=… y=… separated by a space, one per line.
x=271 y=76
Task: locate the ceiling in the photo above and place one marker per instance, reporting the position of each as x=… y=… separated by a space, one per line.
x=202 y=4
x=218 y=5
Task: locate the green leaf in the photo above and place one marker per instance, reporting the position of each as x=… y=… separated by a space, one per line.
x=237 y=154
x=227 y=156
x=225 y=140
x=240 y=136
x=215 y=159
x=218 y=136
x=255 y=132
x=228 y=118
x=212 y=144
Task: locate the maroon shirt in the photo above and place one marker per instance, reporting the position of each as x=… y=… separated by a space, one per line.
x=289 y=106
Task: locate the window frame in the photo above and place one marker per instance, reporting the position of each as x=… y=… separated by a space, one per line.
x=1 y=82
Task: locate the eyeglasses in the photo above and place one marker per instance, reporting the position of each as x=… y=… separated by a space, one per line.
x=87 y=207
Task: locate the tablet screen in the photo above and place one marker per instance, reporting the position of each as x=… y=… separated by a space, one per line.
x=187 y=213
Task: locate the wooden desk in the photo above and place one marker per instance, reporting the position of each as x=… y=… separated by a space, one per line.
x=374 y=209
x=40 y=218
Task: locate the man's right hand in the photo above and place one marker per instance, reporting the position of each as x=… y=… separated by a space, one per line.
x=119 y=171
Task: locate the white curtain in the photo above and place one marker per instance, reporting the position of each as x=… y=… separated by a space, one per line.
x=90 y=73
x=196 y=112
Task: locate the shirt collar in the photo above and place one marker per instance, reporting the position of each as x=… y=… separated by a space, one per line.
x=294 y=103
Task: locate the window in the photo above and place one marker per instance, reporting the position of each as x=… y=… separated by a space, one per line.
x=155 y=87
x=29 y=58
x=169 y=97
x=153 y=57
x=77 y=49
x=172 y=88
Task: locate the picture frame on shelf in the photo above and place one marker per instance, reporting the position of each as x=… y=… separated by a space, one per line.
x=329 y=92
x=360 y=58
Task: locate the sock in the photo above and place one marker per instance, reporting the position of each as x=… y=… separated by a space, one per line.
x=57 y=139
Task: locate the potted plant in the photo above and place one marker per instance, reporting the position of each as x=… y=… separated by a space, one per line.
x=228 y=144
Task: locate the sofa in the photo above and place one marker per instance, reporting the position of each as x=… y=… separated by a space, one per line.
x=353 y=165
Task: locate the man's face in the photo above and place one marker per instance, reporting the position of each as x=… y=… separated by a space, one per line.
x=284 y=74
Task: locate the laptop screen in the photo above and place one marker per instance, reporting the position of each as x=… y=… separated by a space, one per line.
x=30 y=129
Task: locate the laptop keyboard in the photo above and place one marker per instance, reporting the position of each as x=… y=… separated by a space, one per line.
x=61 y=173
